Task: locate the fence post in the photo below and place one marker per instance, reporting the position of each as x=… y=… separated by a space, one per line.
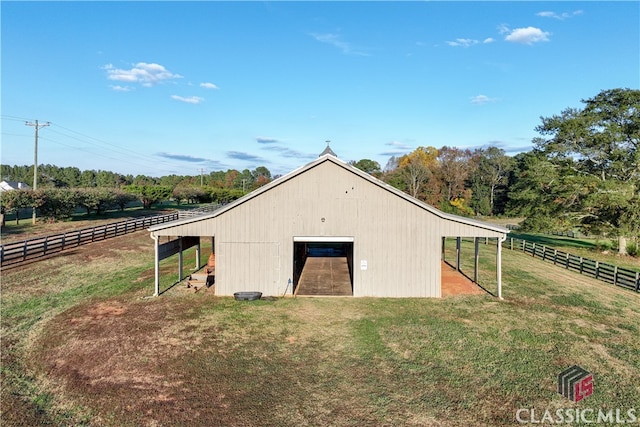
x=524 y=247
x=44 y=246
x=567 y=260
x=555 y=256
x=544 y=252
x=637 y=282
x=24 y=251
x=511 y=243
x=615 y=275
x=597 y=269
x=581 y=265
x=533 y=250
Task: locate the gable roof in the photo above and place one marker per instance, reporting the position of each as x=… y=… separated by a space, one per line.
x=328 y=150
x=335 y=160
x=13 y=185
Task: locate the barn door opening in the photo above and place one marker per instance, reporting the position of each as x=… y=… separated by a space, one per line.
x=323 y=266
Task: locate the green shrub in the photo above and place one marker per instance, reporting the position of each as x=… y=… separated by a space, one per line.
x=633 y=249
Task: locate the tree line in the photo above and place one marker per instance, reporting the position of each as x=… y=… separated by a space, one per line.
x=583 y=174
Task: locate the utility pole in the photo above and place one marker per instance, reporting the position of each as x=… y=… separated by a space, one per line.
x=37 y=126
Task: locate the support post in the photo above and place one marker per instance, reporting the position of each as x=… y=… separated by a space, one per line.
x=476 y=244
x=458 y=253
x=157 y=267
x=499 y=265
x=198 y=255
x=180 y=259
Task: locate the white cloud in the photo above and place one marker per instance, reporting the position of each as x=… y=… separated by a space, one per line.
x=528 y=35
x=189 y=100
x=482 y=99
x=336 y=41
x=119 y=88
x=469 y=42
x=207 y=85
x=561 y=16
x=503 y=28
x=463 y=42
x=143 y=73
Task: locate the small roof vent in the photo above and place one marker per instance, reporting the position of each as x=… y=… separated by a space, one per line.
x=328 y=150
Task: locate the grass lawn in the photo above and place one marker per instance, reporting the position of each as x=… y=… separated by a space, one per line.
x=82 y=345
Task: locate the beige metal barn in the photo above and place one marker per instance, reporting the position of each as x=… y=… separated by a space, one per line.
x=393 y=242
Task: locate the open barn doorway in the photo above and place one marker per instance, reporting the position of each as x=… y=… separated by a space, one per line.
x=323 y=266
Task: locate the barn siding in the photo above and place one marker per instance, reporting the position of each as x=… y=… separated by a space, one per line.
x=400 y=240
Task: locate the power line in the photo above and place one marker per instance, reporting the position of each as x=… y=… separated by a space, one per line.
x=122 y=154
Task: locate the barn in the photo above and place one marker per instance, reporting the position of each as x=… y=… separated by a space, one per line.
x=374 y=239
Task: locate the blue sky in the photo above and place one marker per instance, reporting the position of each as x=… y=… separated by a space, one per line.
x=159 y=88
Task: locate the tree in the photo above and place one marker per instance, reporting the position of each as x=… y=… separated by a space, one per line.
x=55 y=204
x=150 y=194
x=121 y=199
x=88 y=178
x=454 y=168
x=417 y=168
x=488 y=178
x=587 y=165
x=602 y=138
x=16 y=200
x=97 y=200
x=369 y=166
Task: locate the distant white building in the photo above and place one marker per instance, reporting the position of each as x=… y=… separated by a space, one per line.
x=13 y=185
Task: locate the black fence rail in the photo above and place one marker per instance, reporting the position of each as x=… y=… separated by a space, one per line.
x=609 y=273
x=38 y=247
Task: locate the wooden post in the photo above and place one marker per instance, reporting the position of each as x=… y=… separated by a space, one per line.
x=597 y=269
x=637 y=282
x=458 y=253
x=615 y=275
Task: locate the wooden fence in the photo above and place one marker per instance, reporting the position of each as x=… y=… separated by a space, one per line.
x=609 y=273
x=18 y=252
